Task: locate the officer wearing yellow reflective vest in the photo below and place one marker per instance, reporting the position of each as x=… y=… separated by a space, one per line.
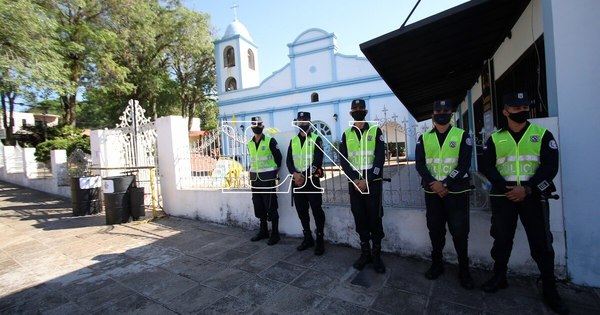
x=521 y=162
x=265 y=160
x=304 y=161
x=363 y=154
x=443 y=158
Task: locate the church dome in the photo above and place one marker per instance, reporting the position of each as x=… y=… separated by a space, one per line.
x=237 y=28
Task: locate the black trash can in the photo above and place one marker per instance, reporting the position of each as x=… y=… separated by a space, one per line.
x=85 y=198
x=136 y=201
x=116 y=199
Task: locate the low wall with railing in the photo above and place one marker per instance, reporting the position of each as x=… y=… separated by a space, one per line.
x=18 y=166
x=204 y=196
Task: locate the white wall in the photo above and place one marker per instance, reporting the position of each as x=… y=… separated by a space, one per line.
x=572 y=32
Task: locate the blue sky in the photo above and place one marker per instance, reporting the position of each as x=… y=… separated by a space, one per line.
x=275 y=23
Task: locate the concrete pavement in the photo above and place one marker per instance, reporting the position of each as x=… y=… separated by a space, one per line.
x=53 y=263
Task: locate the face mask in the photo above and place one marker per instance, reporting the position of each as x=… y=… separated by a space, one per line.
x=257 y=130
x=442 y=119
x=359 y=115
x=304 y=127
x=519 y=117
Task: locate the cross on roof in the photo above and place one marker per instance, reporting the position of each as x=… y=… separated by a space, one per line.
x=234 y=7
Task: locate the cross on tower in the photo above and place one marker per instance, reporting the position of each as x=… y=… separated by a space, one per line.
x=234 y=7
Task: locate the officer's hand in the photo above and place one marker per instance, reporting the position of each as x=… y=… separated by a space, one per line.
x=443 y=193
x=437 y=187
x=515 y=193
x=360 y=185
x=298 y=179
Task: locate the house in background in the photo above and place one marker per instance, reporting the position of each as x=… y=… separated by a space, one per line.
x=28 y=119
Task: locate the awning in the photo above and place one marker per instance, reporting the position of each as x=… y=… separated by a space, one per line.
x=442 y=56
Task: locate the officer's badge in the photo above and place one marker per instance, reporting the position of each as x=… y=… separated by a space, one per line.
x=535 y=138
x=453 y=144
x=264 y=148
x=369 y=138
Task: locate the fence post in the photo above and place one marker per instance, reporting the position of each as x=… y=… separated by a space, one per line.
x=29 y=163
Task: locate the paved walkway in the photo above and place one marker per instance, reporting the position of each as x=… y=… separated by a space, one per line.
x=51 y=262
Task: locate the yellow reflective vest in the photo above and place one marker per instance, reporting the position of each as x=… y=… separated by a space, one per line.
x=262 y=161
x=361 y=153
x=303 y=154
x=441 y=161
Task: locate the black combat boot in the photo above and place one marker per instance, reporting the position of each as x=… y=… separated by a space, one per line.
x=377 y=262
x=464 y=277
x=307 y=242
x=495 y=283
x=274 y=239
x=263 y=232
x=365 y=256
x=553 y=299
x=320 y=247
x=435 y=270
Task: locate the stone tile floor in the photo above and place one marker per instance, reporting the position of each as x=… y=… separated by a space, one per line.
x=53 y=263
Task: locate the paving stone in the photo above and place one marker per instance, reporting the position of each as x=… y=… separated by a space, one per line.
x=105 y=296
x=354 y=294
x=208 y=251
x=227 y=279
x=41 y=303
x=447 y=288
x=505 y=303
x=394 y=301
x=16 y=298
x=291 y=300
x=136 y=304
x=194 y=300
x=251 y=247
x=436 y=306
x=158 y=284
x=231 y=257
x=256 y=263
x=329 y=305
x=230 y=305
x=283 y=272
x=193 y=268
x=337 y=261
x=257 y=290
x=405 y=275
x=586 y=297
x=316 y=282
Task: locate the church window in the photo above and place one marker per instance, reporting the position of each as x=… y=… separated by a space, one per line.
x=314 y=97
x=251 y=59
x=229 y=57
x=230 y=84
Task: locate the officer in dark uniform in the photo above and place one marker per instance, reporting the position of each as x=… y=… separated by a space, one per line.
x=443 y=158
x=265 y=160
x=363 y=154
x=520 y=162
x=304 y=161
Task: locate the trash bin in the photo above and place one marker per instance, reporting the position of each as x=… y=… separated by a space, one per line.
x=136 y=201
x=85 y=195
x=116 y=198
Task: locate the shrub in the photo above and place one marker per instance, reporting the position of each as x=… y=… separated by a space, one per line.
x=62 y=138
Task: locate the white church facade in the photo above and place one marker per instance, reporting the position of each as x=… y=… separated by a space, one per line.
x=317 y=79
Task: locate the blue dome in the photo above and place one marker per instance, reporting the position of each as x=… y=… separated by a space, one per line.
x=237 y=28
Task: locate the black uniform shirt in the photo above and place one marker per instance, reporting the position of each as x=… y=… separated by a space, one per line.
x=376 y=172
x=543 y=175
x=317 y=160
x=458 y=182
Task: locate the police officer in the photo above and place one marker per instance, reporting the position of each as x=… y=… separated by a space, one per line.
x=520 y=162
x=304 y=161
x=443 y=158
x=363 y=154
x=265 y=160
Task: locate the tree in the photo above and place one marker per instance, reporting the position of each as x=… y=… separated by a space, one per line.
x=28 y=55
x=86 y=44
x=193 y=66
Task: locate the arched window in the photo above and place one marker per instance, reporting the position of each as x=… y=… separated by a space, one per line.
x=230 y=84
x=314 y=97
x=229 y=57
x=251 y=59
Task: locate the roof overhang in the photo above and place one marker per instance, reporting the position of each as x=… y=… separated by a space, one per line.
x=441 y=57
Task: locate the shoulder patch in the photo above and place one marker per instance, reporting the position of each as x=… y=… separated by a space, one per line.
x=381 y=138
x=553 y=144
x=468 y=141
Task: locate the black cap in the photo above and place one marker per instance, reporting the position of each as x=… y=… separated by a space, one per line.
x=256 y=120
x=442 y=105
x=303 y=116
x=358 y=103
x=516 y=99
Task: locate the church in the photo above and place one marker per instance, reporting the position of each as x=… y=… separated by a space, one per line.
x=318 y=79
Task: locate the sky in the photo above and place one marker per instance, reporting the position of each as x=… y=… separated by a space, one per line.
x=273 y=24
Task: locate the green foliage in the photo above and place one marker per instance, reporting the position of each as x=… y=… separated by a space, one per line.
x=62 y=138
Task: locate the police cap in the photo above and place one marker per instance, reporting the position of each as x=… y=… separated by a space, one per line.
x=516 y=99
